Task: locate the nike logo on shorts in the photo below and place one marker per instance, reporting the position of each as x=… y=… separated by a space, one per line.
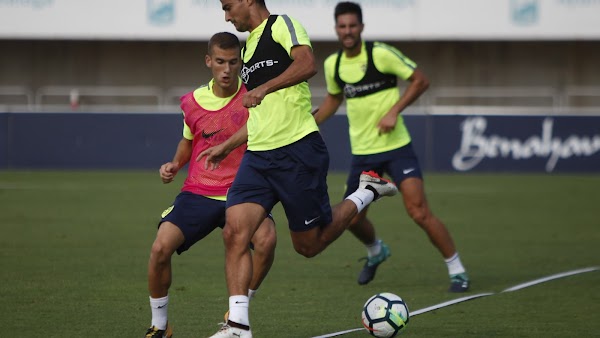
x=308 y=222
x=408 y=171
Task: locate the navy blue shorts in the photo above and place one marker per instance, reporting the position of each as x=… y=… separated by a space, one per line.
x=295 y=175
x=196 y=216
x=399 y=164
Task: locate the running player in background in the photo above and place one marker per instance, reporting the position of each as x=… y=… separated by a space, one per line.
x=366 y=73
x=212 y=113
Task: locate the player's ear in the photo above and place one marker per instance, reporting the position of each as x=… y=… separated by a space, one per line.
x=208 y=60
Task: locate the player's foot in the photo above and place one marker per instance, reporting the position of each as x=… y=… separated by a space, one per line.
x=379 y=186
x=459 y=283
x=229 y=331
x=153 y=332
x=368 y=272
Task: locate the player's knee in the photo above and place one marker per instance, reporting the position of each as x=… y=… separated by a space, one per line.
x=160 y=253
x=235 y=237
x=229 y=234
x=265 y=241
x=307 y=251
x=419 y=215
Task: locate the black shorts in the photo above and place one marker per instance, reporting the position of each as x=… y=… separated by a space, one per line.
x=399 y=164
x=196 y=216
x=295 y=174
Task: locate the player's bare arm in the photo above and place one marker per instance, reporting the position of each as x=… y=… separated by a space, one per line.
x=418 y=84
x=329 y=106
x=302 y=68
x=214 y=155
x=182 y=156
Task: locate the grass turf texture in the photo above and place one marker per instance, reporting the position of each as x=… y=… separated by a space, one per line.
x=75 y=247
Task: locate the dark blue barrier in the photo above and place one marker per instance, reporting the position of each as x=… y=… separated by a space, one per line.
x=92 y=141
x=4 y=136
x=443 y=143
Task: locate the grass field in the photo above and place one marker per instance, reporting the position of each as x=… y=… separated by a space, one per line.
x=75 y=246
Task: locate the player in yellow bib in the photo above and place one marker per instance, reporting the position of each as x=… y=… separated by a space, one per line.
x=286 y=160
x=365 y=74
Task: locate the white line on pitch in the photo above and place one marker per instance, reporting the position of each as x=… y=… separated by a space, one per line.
x=549 y=278
x=448 y=303
x=339 y=333
x=464 y=299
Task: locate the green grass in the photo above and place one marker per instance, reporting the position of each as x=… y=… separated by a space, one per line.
x=75 y=246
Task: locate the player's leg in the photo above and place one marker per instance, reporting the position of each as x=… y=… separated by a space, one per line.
x=415 y=201
x=263 y=255
x=168 y=239
x=243 y=220
x=377 y=251
x=311 y=238
x=405 y=170
x=360 y=226
x=264 y=242
x=191 y=218
x=248 y=201
x=418 y=209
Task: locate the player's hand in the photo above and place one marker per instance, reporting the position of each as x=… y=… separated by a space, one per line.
x=254 y=97
x=168 y=171
x=214 y=156
x=387 y=123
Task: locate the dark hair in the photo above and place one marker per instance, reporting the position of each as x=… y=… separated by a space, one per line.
x=223 y=40
x=347 y=7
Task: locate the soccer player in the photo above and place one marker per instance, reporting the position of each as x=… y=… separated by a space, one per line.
x=212 y=113
x=365 y=73
x=286 y=160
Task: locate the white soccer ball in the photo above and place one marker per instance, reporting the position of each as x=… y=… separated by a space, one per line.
x=385 y=315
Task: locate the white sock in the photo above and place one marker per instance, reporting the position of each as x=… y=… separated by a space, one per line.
x=362 y=198
x=374 y=249
x=159 y=312
x=454 y=265
x=251 y=293
x=238 y=309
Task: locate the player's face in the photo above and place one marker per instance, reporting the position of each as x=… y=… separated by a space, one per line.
x=225 y=65
x=348 y=30
x=237 y=12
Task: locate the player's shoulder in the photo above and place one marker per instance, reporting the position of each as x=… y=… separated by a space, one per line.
x=286 y=19
x=331 y=59
x=383 y=47
x=202 y=92
x=286 y=23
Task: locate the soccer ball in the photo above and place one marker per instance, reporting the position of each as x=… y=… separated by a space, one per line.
x=385 y=315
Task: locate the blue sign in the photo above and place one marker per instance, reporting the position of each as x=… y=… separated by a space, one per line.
x=517 y=143
x=161 y=12
x=524 y=12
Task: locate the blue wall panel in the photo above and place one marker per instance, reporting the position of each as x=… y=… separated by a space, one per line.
x=77 y=141
x=4 y=136
x=443 y=143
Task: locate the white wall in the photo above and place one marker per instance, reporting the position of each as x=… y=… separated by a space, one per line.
x=385 y=19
